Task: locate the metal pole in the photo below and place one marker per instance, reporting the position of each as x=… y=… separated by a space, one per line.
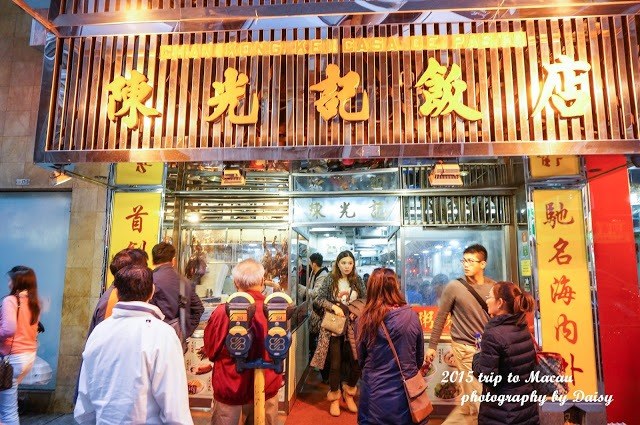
x=258 y=397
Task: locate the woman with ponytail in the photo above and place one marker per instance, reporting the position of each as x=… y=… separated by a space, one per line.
x=18 y=329
x=507 y=349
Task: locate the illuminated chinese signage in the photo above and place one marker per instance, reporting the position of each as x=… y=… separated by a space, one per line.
x=554 y=166
x=397 y=90
x=127 y=97
x=442 y=92
x=441 y=88
x=563 y=284
x=378 y=209
x=427 y=316
x=135 y=221
x=331 y=100
x=350 y=45
x=566 y=87
x=226 y=97
x=139 y=173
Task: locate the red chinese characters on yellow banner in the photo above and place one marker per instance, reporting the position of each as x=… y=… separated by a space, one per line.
x=139 y=173
x=427 y=316
x=552 y=166
x=563 y=284
x=135 y=222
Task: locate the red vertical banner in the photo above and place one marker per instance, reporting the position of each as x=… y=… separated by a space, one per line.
x=564 y=284
x=616 y=254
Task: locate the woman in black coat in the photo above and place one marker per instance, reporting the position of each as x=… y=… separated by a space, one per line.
x=507 y=348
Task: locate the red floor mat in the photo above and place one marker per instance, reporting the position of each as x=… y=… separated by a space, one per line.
x=312 y=407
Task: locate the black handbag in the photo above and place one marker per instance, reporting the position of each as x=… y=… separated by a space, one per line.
x=6 y=370
x=6 y=374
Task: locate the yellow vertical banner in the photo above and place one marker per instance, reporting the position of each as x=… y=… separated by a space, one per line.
x=139 y=173
x=563 y=284
x=135 y=221
x=551 y=166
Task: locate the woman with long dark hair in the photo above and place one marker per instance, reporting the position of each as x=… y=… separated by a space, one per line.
x=382 y=394
x=507 y=349
x=195 y=269
x=340 y=288
x=18 y=330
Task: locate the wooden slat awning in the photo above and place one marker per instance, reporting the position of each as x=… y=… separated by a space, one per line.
x=504 y=84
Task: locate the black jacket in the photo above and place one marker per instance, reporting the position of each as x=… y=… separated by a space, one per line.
x=506 y=347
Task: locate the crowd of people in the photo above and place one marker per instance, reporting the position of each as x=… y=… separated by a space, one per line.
x=131 y=370
x=489 y=335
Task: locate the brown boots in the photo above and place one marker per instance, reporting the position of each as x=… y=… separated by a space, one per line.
x=334 y=398
x=348 y=393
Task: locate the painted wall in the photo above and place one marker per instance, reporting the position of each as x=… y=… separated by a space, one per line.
x=20 y=73
x=617 y=283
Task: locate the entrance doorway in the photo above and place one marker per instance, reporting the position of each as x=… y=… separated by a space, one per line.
x=372 y=246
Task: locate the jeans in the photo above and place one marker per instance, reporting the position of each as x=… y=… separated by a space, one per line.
x=22 y=364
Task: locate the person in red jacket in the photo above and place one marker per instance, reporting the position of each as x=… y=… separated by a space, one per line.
x=233 y=391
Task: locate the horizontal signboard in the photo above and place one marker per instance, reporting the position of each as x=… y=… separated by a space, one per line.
x=546 y=87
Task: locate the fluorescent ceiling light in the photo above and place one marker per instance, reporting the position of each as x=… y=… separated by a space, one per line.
x=324 y=229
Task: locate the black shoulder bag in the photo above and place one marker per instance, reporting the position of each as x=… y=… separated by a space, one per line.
x=477 y=296
x=6 y=370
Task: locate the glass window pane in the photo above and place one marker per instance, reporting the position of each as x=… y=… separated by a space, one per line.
x=432 y=258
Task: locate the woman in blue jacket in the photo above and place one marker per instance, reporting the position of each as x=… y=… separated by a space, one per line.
x=382 y=396
x=507 y=348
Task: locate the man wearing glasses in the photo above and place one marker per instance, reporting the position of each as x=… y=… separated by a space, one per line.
x=468 y=318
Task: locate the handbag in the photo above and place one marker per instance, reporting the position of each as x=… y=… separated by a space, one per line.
x=415 y=388
x=6 y=369
x=333 y=323
x=549 y=370
x=6 y=374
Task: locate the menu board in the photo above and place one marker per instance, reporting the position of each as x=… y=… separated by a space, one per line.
x=440 y=390
x=199 y=370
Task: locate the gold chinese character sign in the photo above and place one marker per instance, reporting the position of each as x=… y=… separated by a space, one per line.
x=131 y=94
x=567 y=85
x=442 y=92
x=227 y=96
x=333 y=101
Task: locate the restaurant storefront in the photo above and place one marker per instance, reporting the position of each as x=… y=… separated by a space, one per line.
x=535 y=98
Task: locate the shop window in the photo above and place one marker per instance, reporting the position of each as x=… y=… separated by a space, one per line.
x=432 y=258
x=36 y=234
x=222 y=249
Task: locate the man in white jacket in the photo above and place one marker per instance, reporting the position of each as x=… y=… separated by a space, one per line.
x=132 y=365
